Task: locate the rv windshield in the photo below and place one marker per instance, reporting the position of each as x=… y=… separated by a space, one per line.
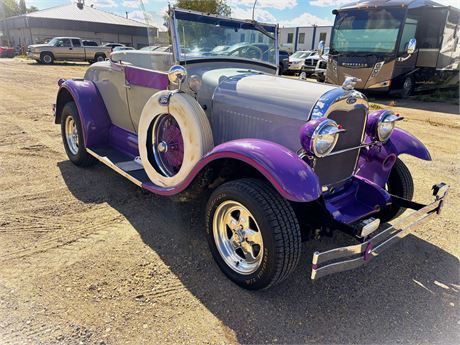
x=202 y=36
x=369 y=31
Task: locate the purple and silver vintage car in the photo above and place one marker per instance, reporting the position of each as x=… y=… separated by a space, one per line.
x=280 y=160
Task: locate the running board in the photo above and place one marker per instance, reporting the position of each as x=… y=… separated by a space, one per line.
x=123 y=164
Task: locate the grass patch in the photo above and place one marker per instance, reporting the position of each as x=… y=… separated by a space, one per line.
x=439 y=95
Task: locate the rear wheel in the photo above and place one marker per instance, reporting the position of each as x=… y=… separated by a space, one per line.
x=399 y=183
x=72 y=136
x=253 y=233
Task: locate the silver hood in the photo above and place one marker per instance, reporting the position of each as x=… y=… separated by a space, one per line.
x=32 y=46
x=263 y=106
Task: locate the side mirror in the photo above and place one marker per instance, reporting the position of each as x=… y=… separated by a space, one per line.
x=321 y=48
x=411 y=46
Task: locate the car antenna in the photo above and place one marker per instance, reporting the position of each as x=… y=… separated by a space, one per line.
x=253 y=8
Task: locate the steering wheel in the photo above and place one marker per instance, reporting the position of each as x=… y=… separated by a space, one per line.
x=250 y=52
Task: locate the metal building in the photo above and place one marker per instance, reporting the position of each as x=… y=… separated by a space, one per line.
x=304 y=37
x=76 y=21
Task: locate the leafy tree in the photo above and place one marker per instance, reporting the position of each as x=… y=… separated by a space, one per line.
x=219 y=7
x=10 y=8
x=32 y=9
x=22 y=6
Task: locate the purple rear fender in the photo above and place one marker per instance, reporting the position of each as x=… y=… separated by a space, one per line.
x=94 y=117
x=288 y=174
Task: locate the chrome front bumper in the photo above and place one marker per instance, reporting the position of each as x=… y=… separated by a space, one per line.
x=350 y=257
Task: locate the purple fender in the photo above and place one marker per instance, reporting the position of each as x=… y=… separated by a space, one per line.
x=404 y=142
x=94 y=117
x=375 y=164
x=288 y=174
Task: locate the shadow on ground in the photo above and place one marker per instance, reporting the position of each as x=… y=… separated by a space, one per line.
x=409 y=295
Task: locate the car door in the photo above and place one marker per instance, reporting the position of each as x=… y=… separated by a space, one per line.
x=78 y=51
x=110 y=82
x=63 y=49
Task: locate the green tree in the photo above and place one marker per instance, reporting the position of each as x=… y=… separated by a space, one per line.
x=219 y=7
x=32 y=9
x=9 y=8
x=22 y=6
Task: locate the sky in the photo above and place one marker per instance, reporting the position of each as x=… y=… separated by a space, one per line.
x=287 y=13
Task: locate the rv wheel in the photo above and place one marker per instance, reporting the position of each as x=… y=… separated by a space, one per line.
x=407 y=87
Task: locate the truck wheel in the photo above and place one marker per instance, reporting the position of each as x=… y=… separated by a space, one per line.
x=407 y=87
x=399 y=183
x=46 y=58
x=72 y=136
x=100 y=57
x=253 y=233
x=174 y=134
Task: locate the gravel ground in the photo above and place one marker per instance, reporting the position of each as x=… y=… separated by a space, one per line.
x=87 y=258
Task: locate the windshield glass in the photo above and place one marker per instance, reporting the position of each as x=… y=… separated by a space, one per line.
x=205 y=37
x=301 y=55
x=53 y=41
x=370 y=31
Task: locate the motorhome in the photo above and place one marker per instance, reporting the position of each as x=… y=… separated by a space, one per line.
x=397 y=46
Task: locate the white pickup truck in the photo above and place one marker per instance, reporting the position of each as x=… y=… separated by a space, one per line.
x=67 y=48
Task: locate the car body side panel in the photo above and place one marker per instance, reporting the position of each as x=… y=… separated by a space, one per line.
x=94 y=117
x=288 y=174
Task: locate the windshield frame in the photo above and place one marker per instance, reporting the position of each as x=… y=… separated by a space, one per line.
x=256 y=26
x=333 y=50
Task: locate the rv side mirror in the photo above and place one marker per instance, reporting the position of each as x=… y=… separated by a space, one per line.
x=411 y=46
x=321 y=48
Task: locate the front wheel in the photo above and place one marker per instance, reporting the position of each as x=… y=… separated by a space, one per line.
x=253 y=233
x=47 y=58
x=407 y=87
x=399 y=183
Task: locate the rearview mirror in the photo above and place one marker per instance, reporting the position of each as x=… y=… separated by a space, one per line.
x=411 y=46
x=321 y=48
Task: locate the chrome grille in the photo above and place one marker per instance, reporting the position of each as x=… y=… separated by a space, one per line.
x=336 y=168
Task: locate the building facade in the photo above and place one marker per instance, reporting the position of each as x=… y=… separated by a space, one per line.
x=71 y=20
x=304 y=37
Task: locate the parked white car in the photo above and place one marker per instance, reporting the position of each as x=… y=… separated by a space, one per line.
x=297 y=60
x=312 y=61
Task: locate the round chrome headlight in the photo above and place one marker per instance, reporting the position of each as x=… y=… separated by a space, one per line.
x=386 y=124
x=325 y=138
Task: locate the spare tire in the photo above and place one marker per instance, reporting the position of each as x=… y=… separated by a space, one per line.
x=173 y=137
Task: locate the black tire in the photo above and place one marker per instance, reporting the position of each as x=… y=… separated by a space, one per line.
x=47 y=58
x=81 y=157
x=407 y=87
x=277 y=224
x=321 y=78
x=99 y=58
x=400 y=183
x=280 y=70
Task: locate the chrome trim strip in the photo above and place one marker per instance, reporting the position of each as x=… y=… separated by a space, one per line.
x=350 y=149
x=374 y=246
x=110 y=164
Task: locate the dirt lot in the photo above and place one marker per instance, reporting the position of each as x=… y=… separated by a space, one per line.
x=87 y=258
